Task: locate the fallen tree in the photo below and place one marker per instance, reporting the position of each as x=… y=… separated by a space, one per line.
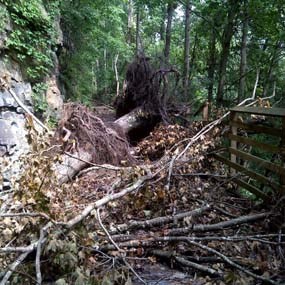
x=88 y=139
x=85 y=138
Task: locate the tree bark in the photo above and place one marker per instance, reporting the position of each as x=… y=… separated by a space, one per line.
x=138 y=31
x=243 y=54
x=269 y=75
x=162 y=24
x=192 y=62
x=130 y=22
x=70 y=166
x=211 y=65
x=130 y=121
x=226 y=43
x=170 y=11
x=187 y=49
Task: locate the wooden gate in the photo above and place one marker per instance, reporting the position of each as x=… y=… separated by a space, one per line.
x=244 y=162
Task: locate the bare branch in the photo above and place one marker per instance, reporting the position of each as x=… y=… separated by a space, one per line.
x=221 y=225
x=161 y=220
x=117 y=247
x=106 y=200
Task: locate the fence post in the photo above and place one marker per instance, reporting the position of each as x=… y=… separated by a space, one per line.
x=233 y=118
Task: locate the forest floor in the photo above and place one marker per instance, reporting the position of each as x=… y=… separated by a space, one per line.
x=170 y=216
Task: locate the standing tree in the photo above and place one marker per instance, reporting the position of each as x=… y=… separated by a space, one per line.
x=233 y=9
x=187 y=49
x=170 y=11
x=243 y=52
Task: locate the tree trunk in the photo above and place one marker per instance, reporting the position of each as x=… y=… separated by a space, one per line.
x=130 y=22
x=187 y=49
x=211 y=65
x=70 y=166
x=170 y=11
x=226 y=43
x=130 y=121
x=138 y=32
x=243 y=54
x=192 y=62
x=162 y=24
x=269 y=75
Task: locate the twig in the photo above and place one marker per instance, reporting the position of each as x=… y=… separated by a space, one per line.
x=20 y=215
x=117 y=247
x=38 y=257
x=185 y=262
x=13 y=266
x=26 y=251
x=148 y=240
x=225 y=258
x=197 y=266
x=95 y=166
x=20 y=103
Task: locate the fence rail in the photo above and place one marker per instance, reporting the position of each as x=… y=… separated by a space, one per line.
x=238 y=155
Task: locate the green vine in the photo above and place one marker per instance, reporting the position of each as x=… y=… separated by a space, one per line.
x=33 y=36
x=39 y=99
x=3 y=18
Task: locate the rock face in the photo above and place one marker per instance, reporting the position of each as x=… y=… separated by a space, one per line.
x=13 y=139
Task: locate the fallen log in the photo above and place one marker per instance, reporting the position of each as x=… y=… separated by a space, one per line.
x=130 y=121
x=71 y=165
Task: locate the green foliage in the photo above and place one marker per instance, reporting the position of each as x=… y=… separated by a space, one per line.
x=88 y=62
x=4 y=16
x=39 y=100
x=33 y=36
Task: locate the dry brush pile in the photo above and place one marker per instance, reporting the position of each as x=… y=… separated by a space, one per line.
x=171 y=203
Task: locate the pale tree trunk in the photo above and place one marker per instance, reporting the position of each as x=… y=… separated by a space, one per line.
x=105 y=71
x=187 y=49
x=273 y=63
x=211 y=65
x=130 y=21
x=243 y=54
x=138 y=31
x=226 y=44
x=170 y=11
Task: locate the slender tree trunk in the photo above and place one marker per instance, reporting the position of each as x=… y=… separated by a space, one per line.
x=105 y=71
x=162 y=24
x=243 y=54
x=211 y=65
x=138 y=32
x=187 y=49
x=269 y=75
x=170 y=11
x=192 y=61
x=226 y=43
x=130 y=22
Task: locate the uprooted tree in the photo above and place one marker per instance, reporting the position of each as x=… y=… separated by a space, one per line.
x=140 y=107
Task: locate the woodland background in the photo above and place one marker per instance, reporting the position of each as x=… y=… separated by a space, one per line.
x=217 y=46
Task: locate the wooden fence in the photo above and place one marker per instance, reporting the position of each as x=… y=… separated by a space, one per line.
x=243 y=163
